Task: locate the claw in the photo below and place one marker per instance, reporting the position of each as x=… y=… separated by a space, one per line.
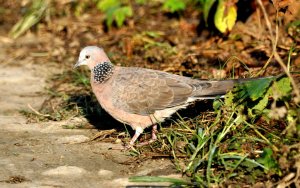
x=137 y=134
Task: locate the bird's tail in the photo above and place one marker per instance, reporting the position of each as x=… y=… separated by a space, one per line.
x=209 y=89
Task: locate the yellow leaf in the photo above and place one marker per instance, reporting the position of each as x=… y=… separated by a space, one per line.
x=225 y=16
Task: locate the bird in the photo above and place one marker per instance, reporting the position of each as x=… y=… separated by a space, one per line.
x=141 y=97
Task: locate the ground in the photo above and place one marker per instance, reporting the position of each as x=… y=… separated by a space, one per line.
x=48 y=117
x=32 y=151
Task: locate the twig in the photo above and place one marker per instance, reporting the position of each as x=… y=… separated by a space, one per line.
x=103 y=134
x=37 y=112
x=163 y=155
x=275 y=54
x=262 y=136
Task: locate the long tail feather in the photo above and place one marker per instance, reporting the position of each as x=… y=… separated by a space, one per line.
x=210 y=89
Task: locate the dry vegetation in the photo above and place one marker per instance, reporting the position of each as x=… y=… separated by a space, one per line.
x=249 y=138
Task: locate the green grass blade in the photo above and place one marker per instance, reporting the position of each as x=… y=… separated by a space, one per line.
x=158 y=179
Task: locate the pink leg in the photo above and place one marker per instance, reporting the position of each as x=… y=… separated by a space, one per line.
x=154 y=137
x=154 y=130
x=138 y=133
x=134 y=138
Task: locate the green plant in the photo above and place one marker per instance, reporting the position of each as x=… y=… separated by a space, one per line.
x=114 y=10
x=224 y=145
x=206 y=6
x=267 y=160
x=32 y=16
x=174 y=5
x=118 y=11
x=151 y=179
x=224 y=17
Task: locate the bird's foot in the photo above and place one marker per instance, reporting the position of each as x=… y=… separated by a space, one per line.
x=153 y=139
x=146 y=142
x=154 y=131
x=131 y=146
x=128 y=147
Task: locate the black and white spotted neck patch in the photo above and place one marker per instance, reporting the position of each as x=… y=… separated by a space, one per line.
x=103 y=71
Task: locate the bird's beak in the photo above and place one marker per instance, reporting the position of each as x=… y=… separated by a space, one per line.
x=77 y=64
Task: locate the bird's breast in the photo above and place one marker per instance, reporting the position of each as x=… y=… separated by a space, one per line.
x=103 y=93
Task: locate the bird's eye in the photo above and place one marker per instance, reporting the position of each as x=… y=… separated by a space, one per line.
x=87 y=57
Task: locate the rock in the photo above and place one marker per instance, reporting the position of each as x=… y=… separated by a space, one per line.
x=72 y=139
x=105 y=174
x=71 y=171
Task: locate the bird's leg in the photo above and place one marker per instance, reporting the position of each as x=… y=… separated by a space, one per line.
x=134 y=138
x=154 y=131
x=154 y=128
x=137 y=133
x=154 y=137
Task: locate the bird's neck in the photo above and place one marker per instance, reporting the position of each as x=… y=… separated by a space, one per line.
x=102 y=72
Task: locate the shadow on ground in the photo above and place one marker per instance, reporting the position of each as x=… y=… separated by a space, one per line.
x=101 y=120
x=94 y=113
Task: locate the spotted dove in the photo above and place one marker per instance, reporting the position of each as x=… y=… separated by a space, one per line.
x=143 y=97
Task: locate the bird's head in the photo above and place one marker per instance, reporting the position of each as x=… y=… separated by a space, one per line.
x=91 y=56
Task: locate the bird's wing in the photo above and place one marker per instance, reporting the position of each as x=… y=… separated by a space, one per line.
x=143 y=91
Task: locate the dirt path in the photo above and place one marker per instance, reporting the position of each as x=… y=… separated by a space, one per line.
x=46 y=154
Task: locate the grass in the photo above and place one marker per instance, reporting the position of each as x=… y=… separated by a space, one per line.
x=233 y=146
x=64 y=100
